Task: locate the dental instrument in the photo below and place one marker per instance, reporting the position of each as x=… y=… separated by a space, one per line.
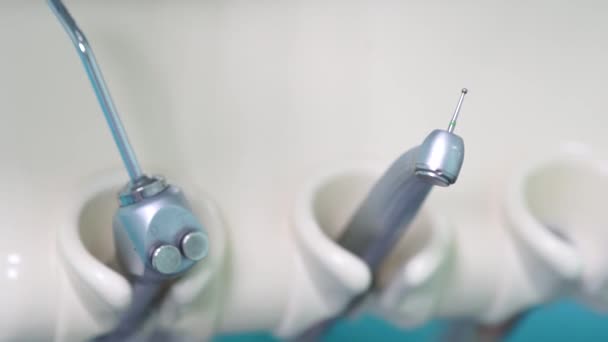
x=157 y=235
x=393 y=202
x=396 y=198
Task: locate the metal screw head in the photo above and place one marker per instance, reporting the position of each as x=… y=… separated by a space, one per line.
x=144 y=187
x=195 y=246
x=166 y=259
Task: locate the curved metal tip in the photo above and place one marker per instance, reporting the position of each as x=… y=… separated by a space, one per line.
x=99 y=86
x=464 y=90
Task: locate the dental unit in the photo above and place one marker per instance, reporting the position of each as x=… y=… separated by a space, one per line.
x=157 y=236
x=394 y=201
x=307 y=101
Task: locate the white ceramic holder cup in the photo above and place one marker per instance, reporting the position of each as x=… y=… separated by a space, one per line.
x=557 y=210
x=412 y=279
x=550 y=243
x=94 y=292
x=326 y=277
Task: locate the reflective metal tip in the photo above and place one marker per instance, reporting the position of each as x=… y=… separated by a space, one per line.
x=452 y=124
x=99 y=86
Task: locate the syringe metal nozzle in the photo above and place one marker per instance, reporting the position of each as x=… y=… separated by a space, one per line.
x=99 y=86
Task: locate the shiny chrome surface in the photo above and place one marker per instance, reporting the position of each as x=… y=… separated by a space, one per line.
x=140 y=228
x=440 y=158
x=144 y=187
x=195 y=245
x=441 y=154
x=166 y=259
x=452 y=124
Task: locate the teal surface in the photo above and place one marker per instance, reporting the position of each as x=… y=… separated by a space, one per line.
x=563 y=321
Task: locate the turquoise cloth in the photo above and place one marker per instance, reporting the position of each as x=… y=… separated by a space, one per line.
x=562 y=321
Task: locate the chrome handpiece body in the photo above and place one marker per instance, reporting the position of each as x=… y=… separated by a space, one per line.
x=156 y=234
